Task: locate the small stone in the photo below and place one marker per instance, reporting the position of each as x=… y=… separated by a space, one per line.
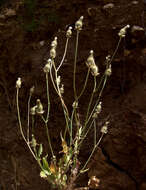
x=144 y=51
x=137 y=31
x=42 y=43
x=10 y=12
x=134 y=2
x=126 y=52
x=136 y=28
x=108 y=6
x=2 y=16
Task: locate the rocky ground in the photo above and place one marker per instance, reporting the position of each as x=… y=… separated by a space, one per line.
x=26 y=29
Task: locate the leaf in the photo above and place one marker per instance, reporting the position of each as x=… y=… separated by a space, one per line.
x=40 y=151
x=64 y=145
x=52 y=168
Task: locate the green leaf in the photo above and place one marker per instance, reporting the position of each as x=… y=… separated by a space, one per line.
x=40 y=151
x=45 y=164
x=83 y=171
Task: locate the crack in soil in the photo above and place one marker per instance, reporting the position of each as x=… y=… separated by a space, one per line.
x=118 y=167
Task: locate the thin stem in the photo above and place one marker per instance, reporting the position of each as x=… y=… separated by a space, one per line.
x=48 y=97
x=94 y=132
x=18 y=112
x=20 y=125
x=90 y=102
x=105 y=79
x=86 y=133
x=71 y=121
x=85 y=84
x=115 y=51
x=48 y=136
x=53 y=80
x=32 y=124
x=65 y=110
x=66 y=45
x=83 y=168
x=28 y=112
x=75 y=62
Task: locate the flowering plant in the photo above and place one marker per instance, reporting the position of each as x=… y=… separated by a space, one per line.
x=63 y=172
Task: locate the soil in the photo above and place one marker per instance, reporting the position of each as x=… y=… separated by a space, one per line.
x=27 y=28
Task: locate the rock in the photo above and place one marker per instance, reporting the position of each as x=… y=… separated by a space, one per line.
x=42 y=43
x=2 y=17
x=108 y=6
x=142 y=186
x=137 y=31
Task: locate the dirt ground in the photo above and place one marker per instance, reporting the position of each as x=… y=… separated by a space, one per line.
x=26 y=29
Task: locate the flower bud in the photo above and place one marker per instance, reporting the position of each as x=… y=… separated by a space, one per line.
x=97 y=110
x=33 y=141
x=18 y=83
x=58 y=80
x=46 y=68
x=75 y=104
x=54 y=43
x=62 y=89
x=79 y=24
x=94 y=70
x=31 y=90
x=90 y=60
x=69 y=32
x=122 y=32
x=33 y=110
x=108 y=71
x=104 y=129
x=43 y=175
x=39 y=108
x=53 y=53
x=107 y=59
